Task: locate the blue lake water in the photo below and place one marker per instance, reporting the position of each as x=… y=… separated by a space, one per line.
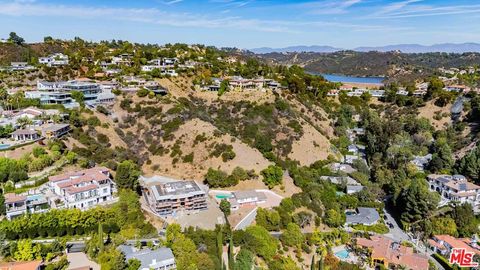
x=352 y=79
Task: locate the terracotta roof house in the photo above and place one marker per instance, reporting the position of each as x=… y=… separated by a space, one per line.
x=386 y=252
x=33 y=265
x=83 y=189
x=444 y=244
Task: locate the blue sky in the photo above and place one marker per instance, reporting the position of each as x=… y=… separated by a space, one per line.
x=247 y=23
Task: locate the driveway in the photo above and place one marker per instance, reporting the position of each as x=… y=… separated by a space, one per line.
x=396 y=233
x=80 y=259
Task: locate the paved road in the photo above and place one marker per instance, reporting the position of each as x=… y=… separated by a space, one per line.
x=396 y=233
x=247 y=220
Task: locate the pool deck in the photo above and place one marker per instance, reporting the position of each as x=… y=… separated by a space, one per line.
x=352 y=258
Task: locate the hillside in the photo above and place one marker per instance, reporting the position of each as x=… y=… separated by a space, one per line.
x=390 y=64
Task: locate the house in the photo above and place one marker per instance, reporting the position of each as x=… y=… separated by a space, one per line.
x=377 y=93
x=349 y=159
x=52 y=131
x=246 y=197
x=20 y=66
x=33 y=265
x=25 y=135
x=341 y=167
x=17 y=205
x=421 y=162
x=122 y=60
x=171 y=196
x=158 y=259
x=444 y=244
x=56 y=59
x=339 y=180
x=83 y=189
x=455 y=188
x=60 y=92
x=363 y=215
x=386 y=252
x=456 y=88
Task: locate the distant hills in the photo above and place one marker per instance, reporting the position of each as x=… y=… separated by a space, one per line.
x=405 y=48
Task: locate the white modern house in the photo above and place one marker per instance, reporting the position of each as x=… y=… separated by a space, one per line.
x=60 y=92
x=455 y=188
x=83 y=189
x=53 y=60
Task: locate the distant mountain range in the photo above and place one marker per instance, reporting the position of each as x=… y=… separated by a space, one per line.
x=405 y=48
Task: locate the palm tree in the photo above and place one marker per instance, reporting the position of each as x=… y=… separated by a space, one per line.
x=24 y=121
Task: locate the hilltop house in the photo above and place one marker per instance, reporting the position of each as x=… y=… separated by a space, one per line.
x=455 y=188
x=83 y=189
x=56 y=59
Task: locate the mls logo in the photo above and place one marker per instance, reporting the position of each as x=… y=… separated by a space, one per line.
x=463 y=258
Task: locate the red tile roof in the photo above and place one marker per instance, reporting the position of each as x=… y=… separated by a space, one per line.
x=13 y=198
x=33 y=265
x=457 y=242
x=386 y=249
x=74 y=190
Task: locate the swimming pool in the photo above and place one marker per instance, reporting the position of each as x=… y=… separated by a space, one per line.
x=4 y=146
x=342 y=254
x=223 y=196
x=35 y=197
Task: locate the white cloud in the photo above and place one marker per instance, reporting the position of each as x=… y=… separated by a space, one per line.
x=406 y=10
x=175 y=19
x=329 y=6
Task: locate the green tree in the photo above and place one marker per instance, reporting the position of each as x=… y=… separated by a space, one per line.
x=465 y=220
x=16 y=39
x=133 y=264
x=444 y=225
x=127 y=175
x=225 y=207
x=292 y=236
x=260 y=242
x=26 y=250
x=442 y=158
x=272 y=175
x=78 y=96
x=469 y=165
x=3 y=209
x=416 y=202
x=223 y=87
x=334 y=218
x=244 y=260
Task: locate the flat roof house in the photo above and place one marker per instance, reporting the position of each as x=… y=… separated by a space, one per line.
x=172 y=196
x=55 y=130
x=246 y=197
x=364 y=215
x=158 y=259
x=17 y=205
